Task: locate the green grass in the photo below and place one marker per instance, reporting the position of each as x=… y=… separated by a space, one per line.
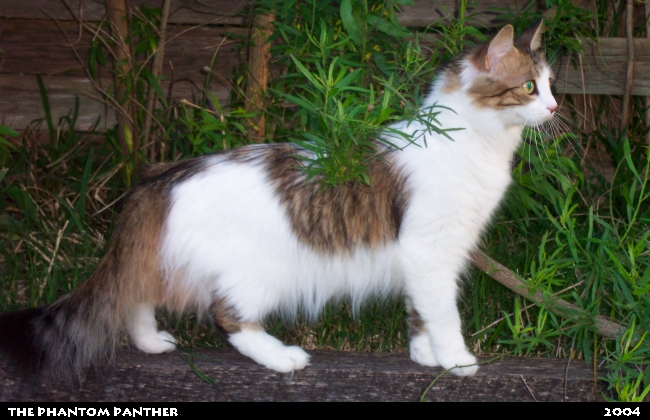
x=566 y=227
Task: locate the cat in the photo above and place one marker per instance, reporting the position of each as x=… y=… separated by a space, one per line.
x=243 y=233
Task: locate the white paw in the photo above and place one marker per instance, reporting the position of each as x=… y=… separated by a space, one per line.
x=421 y=352
x=155 y=343
x=462 y=362
x=287 y=360
x=268 y=351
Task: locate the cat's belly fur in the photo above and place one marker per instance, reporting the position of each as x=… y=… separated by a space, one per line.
x=228 y=236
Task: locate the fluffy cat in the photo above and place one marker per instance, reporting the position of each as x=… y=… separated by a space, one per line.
x=243 y=233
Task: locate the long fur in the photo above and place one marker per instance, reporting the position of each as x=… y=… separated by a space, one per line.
x=241 y=234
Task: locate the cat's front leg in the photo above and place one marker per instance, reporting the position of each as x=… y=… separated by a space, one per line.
x=435 y=325
x=419 y=342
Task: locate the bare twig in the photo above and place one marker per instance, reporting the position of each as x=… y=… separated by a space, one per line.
x=96 y=30
x=528 y=388
x=80 y=30
x=188 y=103
x=56 y=245
x=156 y=71
x=573 y=286
x=210 y=70
x=105 y=97
x=117 y=16
x=630 y=64
x=506 y=277
x=566 y=370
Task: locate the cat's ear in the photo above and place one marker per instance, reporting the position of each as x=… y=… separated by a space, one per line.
x=500 y=45
x=531 y=37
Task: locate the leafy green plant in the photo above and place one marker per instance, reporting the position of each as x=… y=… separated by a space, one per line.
x=346 y=81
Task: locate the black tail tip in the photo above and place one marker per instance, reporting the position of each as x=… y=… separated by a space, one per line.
x=18 y=340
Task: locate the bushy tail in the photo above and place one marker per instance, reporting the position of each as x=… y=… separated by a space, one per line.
x=84 y=326
x=65 y=336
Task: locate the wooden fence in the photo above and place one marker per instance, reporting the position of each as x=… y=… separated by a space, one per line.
x=44 y=37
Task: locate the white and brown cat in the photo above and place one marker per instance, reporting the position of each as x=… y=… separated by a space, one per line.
x=242 y=234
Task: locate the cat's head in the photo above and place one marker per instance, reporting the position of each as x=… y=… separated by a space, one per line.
x=511 y=75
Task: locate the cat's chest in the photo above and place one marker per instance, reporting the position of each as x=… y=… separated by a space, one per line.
x=454 y=187
x=460 y=170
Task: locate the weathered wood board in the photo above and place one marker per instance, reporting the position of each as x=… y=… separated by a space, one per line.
x=486 y=13
x=232 y=12
x=223 y=12
x=604 y=67
x=40 y=47
x=21 y=103
x=34 y=45
x=421 y=14
x=45 y=48
x=332 y=376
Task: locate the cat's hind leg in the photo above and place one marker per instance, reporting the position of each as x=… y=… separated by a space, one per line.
x=252 y=341
x=143 y=330
x=268 y=351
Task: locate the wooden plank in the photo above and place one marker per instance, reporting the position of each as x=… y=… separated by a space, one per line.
x=482 y=13
x=422 y=13
x=332 y=376
x=21 y=104
x=604 y=67
x=40 y=47
x=20 y=100
x=488 y=13
x=182 y=11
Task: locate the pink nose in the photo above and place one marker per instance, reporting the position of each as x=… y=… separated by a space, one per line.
x=552 y=108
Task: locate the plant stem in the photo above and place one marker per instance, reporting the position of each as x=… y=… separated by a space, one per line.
x=155 y=72
x=630 y=64
x=117 y=11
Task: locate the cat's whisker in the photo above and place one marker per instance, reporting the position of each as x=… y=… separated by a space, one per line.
x=567 y=128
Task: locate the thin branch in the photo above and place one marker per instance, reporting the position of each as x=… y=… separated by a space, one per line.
x=156 y=71
x=506 y=277
x=188 y=103
x=105 y=97
x=630 y=63
x=530 y=391
x=566 y=370
x=573 y=286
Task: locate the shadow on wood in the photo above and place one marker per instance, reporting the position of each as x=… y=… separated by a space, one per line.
x=332 y=376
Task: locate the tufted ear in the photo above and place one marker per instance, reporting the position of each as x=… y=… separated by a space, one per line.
x=500 y=45
x=531 y=37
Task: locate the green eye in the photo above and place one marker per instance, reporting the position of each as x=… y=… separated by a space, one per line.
x=528 y=87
